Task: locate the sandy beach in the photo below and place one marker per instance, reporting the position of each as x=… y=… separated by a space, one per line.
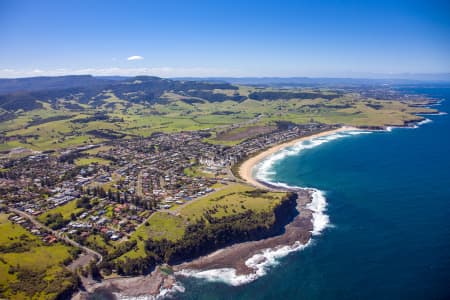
x=238 y=256
x=246 y=168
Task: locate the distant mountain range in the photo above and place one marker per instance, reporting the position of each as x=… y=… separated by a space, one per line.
x=378 y=79
x=30 y=93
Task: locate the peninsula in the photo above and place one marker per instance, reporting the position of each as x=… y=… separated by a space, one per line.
x=109 y=179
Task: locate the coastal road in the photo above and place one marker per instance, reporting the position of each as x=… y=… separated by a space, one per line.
x=58 y=234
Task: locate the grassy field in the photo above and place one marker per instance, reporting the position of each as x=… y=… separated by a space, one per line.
x=95 y=151
x=136 y=119
x=231 y=199
x=196 y=172
x=96 y=241
x=65 y=210
x=163 y=225
x=23 y=255
x=84 y=161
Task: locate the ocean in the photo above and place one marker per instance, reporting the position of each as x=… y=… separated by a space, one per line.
x=383 y=226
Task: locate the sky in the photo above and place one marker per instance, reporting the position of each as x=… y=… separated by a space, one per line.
x=328 y=38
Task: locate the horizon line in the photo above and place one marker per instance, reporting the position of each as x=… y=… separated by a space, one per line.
x=368 y=76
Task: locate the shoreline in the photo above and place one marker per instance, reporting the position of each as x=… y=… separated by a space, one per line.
x=244 y=262
x=246 y=168
x=239 y=263
x=236 y=264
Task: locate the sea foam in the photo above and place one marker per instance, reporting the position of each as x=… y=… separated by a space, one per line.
x=261 y=262
x=263 y=171
x=425 y=121
x=163 y=293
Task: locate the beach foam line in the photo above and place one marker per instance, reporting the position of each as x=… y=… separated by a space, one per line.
x=260 y=263
x=263 y=170
x=441 y=113
x=424 y=122
x=163 y=293
x=267 y=258
x=318 y=206
x=415 y=126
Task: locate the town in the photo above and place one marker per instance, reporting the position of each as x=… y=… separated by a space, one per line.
x=122 y=182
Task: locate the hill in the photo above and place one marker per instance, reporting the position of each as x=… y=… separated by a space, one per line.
x=47 y=113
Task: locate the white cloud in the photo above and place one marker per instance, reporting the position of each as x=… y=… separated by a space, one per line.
x=135 y=57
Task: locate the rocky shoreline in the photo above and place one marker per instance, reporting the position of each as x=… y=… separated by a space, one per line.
x=154 y=285
x=297 y=232
x=237 y=255
x=160 y=283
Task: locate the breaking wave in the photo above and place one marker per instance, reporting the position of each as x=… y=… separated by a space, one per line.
x=260 y=263
x=163 y=293
x=267 y=258
x=264 y=170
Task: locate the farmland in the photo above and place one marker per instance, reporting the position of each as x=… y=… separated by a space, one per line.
x=231 y=114
x=23 y=255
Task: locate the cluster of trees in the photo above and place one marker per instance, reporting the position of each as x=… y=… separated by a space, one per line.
x=70 y=157
x=84 y=202
x=33 y=282
x=38 y=120
x=72 y=173
x=129 y=266
x=15 y=247
x=55 y=221
x=214 y=97
x=192 y=100
x=376 y=106
x=275 y=95
x=120 y=197
x=106 y=134
x=98 y=116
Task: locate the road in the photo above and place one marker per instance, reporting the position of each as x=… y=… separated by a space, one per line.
x=59 y=235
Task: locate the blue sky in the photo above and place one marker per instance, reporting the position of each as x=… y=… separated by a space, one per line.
x=224 y=38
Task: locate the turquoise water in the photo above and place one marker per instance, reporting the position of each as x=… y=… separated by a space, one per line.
x=388 y=197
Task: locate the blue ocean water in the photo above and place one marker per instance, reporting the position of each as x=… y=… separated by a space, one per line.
x=388 y=197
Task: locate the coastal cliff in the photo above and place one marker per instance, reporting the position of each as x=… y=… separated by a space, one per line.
x=203 y=237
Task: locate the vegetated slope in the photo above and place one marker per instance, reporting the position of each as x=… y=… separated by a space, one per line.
x=29 y=268
x=26 y=93
x=87 y=110
x=234 y=214
x=49 y=83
